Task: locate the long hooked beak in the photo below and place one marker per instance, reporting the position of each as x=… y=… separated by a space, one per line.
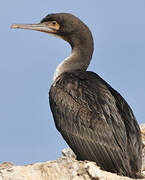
x=37 y=27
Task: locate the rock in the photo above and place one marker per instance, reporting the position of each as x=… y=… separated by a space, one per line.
x=142 y=127
x=68 y=153
x=64 y=168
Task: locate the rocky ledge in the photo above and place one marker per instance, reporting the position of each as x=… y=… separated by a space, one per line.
x=64 y=168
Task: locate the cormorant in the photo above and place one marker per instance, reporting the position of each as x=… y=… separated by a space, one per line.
x=93 y=118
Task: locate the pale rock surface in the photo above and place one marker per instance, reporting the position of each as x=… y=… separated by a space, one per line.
x=142 y=127
x=64 y=168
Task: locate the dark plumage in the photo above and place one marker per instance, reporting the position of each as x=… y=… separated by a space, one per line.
x=96 y=122
x=93 y=118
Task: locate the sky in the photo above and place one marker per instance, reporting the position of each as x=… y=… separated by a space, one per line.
x=28 y=60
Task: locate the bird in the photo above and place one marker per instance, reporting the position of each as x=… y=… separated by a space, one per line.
x=92 y=117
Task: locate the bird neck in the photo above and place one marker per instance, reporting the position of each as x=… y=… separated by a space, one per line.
x=80 y=57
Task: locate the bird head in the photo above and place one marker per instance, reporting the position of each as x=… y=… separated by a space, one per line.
x=63 y=25
x=68 y=27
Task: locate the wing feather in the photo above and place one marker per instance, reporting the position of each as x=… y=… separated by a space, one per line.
x=94 y=124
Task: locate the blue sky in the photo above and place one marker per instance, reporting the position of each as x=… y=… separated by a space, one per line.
x=28 y=60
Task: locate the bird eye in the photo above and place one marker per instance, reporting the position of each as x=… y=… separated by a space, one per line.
x=54 y=23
